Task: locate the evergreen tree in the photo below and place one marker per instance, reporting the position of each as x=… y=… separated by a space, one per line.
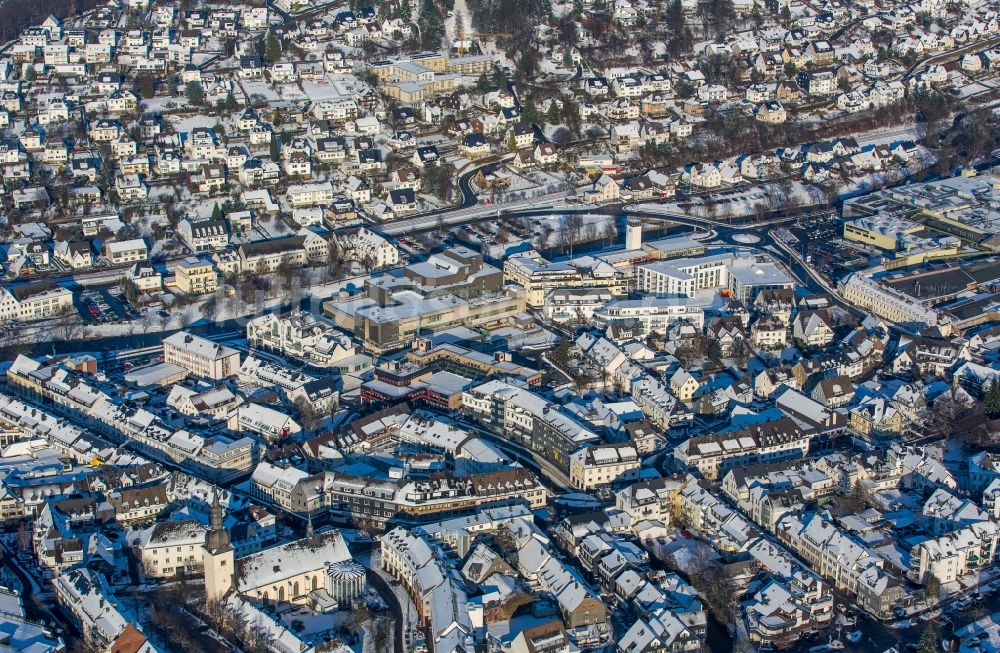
x=194 y=92
x=431 y=27
x=715 y=352
x=275 y=149
x=144 y=85
x=928 y=640
x=932 y=590
x=483 y=84
x=552 y=116
x=272 y=49
x=561 y=354
x=679 y=39
x=529 y=114
x=217 y=212
x=992 y=399
x=130 y=291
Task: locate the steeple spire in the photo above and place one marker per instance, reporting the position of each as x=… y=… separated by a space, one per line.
x=217 y=538
x=219 y=555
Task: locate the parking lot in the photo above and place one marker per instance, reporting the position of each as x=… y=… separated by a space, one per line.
x=105 y=306
x=821 y=243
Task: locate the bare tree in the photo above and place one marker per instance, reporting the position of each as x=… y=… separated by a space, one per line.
x=67 y=326
x=382 y=634
x=572 y=230
x=611 y=231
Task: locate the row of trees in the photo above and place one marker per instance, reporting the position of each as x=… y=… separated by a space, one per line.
x=15 y=15
x=439 y=181
x=514 y=17
x=430 y=24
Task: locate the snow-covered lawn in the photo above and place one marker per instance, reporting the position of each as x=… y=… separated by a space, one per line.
x=182 y=125
x=261 y=88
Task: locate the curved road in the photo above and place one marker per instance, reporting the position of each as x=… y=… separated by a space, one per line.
x=37 y=611
x=390 y=599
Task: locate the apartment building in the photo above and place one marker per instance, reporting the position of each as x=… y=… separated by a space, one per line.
x=713 y=455
x=652 y=314
x=267 y=256
x=955 y=554
x=538 y=276
x=263 y=422
x=281 y=486
x=441 y=602
x=373 y=503
x=194 y=276
x=123 y=252
x=315 y=194
x=650 y=500
x=170 y=548
x=849 y=564
x=203 y=235
x=87 y=599
x=303 y=336
x=365 y=246
x=744 y=276
x=199 y=356
x=603 y=466
x=34 y=301
x=525 y=417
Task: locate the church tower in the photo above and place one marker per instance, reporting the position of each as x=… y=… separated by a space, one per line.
x=218 y=555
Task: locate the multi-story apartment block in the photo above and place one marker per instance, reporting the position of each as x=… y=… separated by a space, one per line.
x=200 y=357
x=603 y=465
x=538 y=276
x=194 y=276
x=528 y=419
x=34 y=301
x=713 y=455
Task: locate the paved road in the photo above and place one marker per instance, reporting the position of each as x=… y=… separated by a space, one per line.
x=390 y=599
x=37 y=611
x=549 y=474
x=954 y=53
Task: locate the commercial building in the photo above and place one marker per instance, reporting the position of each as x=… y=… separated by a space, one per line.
x=743 y=276
x=526 y=418
x=452 y=288
x=885 y=302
